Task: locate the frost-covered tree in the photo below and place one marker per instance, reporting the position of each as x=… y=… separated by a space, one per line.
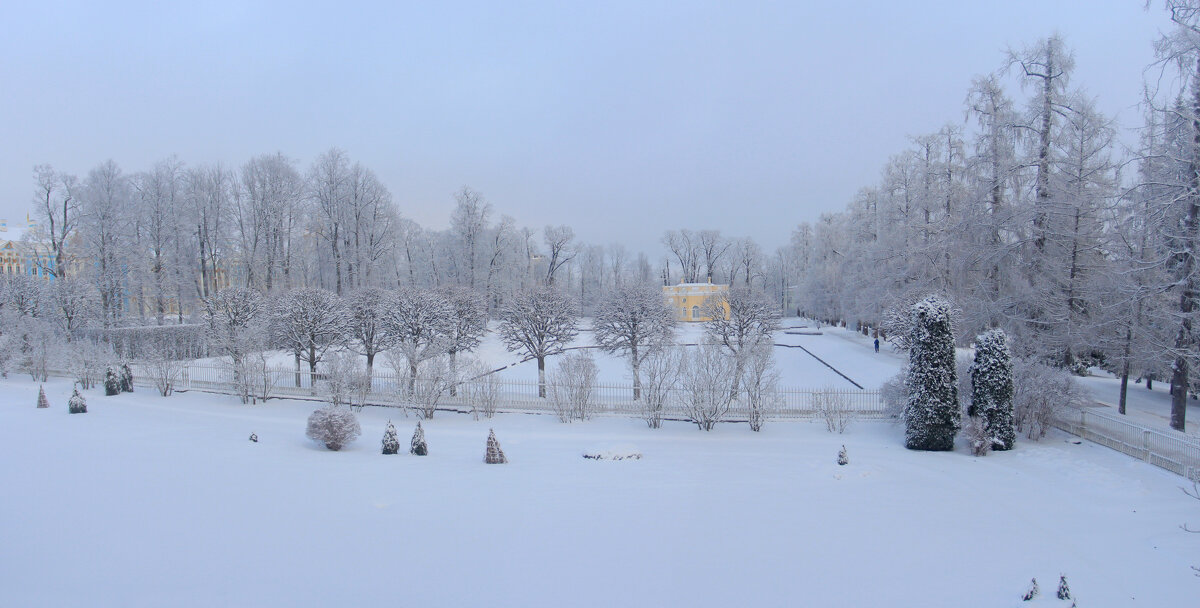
x=932 y=415
x=125 y=375
x=660 y=377
x=561 y=242
x=76 y=404
x=760 y=385
x=419 y=321
x=333 y=425
x=992 y=388
x=634 y=320
x=308 y=322
x=367 y=310
x=417 y=446
x=494 y=454
x=234 y=318
x=467 y=327
x=571 y=386
x=539 y=322
x=741 y=320
x=391 y=443
x=706 y=373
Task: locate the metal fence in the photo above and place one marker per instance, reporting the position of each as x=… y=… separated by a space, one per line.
x=1174 y=451
x=389 y=389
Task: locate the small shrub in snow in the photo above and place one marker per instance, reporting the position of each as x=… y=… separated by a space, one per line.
x=334 y=425
x=706 y=378
x=843 y=458
x=760 y=385
x=417 y=446
x=77 y=404
x=894 y=395
x=932 y=415
x=1039 y=392
x=621 y=452
x=831 y=406
x=571 y=386
x=42 y=402
x=126 y=377
x=1064 y=591
x=391 y=443
x=494 y=454
x=977 y=436
x=1033 y=591
x=253 y=437
x=112 y=384
x=660 y=374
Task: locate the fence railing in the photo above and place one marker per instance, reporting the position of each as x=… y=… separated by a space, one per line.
x=1171 y=450
x=388 y=388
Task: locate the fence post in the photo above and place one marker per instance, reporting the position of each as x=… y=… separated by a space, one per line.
x=1146 y=444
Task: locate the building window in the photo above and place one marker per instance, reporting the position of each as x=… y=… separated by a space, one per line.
x=695 y=312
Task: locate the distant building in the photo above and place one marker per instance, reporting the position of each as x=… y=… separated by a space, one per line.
x=687 y=299
x=17 y=258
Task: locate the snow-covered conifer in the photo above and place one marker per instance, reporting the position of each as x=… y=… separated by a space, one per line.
x=391 y=443
x=1033 y=591
x=843 y=459
x=112 y=383
x=333 y=425
x=417 y=446
x=77 y=404
x=992 y=388
x=42 y=402
x=254 y=437
x=494 y=454
x=1064 y=590
x=932 y=415
x=125 y=375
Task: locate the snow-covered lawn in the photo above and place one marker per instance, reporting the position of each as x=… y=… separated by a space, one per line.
x=146 y=501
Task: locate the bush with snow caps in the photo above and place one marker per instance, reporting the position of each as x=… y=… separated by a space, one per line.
x=494 y=454
x=253 y=437
x=42 y=402
x=126 y=377
x=334 y=425
x=112 y=384
x=992 y=389
x=1033 y=591
x=77 y=404
x=417 y=446
x=391 y=443
x=932 y=416
x=843 y=458
x=1064 y=591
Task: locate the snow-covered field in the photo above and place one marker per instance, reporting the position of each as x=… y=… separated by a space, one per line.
x=146 y=501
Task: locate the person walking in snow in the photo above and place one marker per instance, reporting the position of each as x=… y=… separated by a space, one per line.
x=876 y=344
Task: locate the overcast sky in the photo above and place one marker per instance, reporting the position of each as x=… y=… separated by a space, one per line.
x=620 y=119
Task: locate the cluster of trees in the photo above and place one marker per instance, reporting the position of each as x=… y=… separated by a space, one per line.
x=1026 y=219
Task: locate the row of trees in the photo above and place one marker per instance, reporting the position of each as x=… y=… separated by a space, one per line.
x=1030 y=217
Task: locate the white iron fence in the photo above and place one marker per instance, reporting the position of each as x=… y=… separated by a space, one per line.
x=1174 y=451
x=390 y=390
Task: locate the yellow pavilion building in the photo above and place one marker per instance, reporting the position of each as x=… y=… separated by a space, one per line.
x=687 y=300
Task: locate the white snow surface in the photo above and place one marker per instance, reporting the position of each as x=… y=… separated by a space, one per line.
x=151 y=501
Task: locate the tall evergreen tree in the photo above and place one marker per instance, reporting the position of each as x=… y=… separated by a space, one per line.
x=932 y=415
x=992 y=388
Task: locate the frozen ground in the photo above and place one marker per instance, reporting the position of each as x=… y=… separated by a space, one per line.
x=146 y=501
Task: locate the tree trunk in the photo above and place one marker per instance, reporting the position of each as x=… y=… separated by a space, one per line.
x=541 y=377
x=298 y=381
x=1187 y=300
x=453 y=373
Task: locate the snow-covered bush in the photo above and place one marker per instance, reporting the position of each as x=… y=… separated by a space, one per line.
x=76 y=404
x=432 y=383
x=494 y=454
x=125 y=375
x=86 y=361
x=660 y=375
x=391 y=443
x=932 y=415
x=417 y=446
x=482 y=389
x=706 y=375
x=334 y=425
x=831 y=406
x=164 y=370
x=1039 y=392
x=253 y=378
x=760 y=385
x=42 y=402
x=1033 y=592
x=992 y=389
x=894 y=395
x=977 y=435
x=843 y=458
x=336 y=385
x=571 y=386
x=112 y=383
x=1064 y=590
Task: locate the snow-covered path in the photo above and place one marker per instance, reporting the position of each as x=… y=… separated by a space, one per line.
x=146 y=501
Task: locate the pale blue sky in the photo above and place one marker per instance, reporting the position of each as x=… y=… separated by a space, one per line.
x=620 y=119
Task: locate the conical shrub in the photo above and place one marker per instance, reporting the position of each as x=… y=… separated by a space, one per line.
x=112 y=384
x=42 y=401
x=494 y=454
x=417 y=447
x=126 y=378
x=77 y=404
x=391 y=443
